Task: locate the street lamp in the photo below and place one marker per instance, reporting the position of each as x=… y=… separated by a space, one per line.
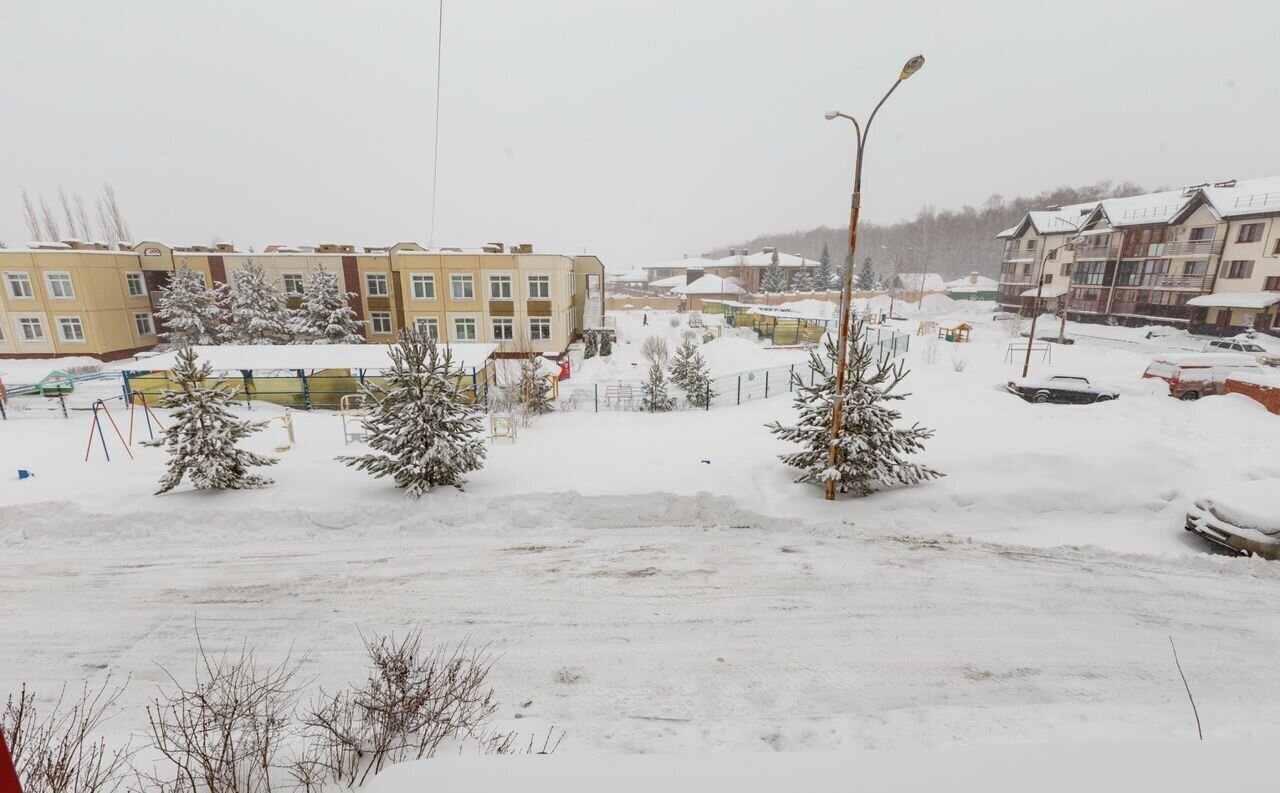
x=846 y=292
x=1035 y=308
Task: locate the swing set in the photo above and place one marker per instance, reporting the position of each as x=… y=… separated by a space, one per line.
x=100 y=410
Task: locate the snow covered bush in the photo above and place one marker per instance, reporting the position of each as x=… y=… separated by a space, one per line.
x=654 y=350
x=590 y=344
x=55 y=751
x=689 y=371
x=255 y=308
x=535 y=388
x=424 y=430
x=606 y=343
x=325 y=315
x=872 y=449
x=202 y=433
x=654 y=395
x=188 y=310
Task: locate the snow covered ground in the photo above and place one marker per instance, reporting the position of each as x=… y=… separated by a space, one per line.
x=656 y=583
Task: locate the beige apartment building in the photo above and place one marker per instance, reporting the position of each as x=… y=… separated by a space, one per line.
x=521 y=300
x=1206 y=257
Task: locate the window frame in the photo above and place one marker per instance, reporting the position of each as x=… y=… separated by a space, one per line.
x=61 y=276
x=129 y=280
x=19 y=276
x=1230 y=270
x=502 y=278
x=372 y=278
x=507 y=322
x=540 y=278
x=34 y=322
x=475 y=329
x=1254 y=227
x=284 y=284
x=427 y=279
x=151 y=323
x=459 y=279
x=542 y=321
x=62 y=335
x=432 y=323
x=374 y=318
x=1271 y=284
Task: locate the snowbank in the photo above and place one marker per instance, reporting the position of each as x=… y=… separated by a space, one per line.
x=1249 y=505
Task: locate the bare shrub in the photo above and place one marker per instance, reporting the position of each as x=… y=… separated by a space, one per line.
x=929 y=353
x=655 y=350
x=675 y=322
x=412 y=701
x=57 y=751
x=958 y=364
x=224 y=732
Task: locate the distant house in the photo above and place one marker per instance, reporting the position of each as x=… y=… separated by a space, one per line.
x=747 y=269
x=709 y=287
x=919 y=282
x=973 y=287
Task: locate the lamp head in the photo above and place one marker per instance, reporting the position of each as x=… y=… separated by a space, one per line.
x=911 y=67
x=831 y=115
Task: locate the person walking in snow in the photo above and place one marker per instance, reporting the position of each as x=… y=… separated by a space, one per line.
x=646 y=319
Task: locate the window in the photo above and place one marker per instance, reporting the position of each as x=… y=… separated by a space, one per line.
x=424 y=286
x=499 y=287
x=292 y=283
x=1066 y=269
x=503 y=329
x=1202 y=233
x=462 y=286
x=60 y=286
x=70 y=329
x=1250 y=232
x=135 y=284
x=1048 y=278
x=1237 y=269
x=30 y=329
x=1026 y=268
x=428 y=326
x=1145 y=273
x=1031 y=246
x=19 y=285
x=1276 y=249
x=1272 y=284
x=1089 y=273
x=540 y=329
x=380 y=322
x=1195 y=267
x=375 y=285
x=144 y=324
x=464 y=329
x=539 y=287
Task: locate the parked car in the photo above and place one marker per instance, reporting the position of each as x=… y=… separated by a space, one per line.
x=1246 y=346
x=1060 y=389
x=1197 y=374
x=1243 y=518
x=1005 y=316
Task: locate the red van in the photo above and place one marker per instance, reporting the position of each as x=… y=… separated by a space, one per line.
x=1193 y=375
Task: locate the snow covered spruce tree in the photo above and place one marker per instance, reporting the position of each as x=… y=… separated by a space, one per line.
x=188 y=309
x=591 y=344
x=803 y=282
x=824 y=277
x=866 y=276
x=255 y=308
x=654 y=395
x=535 y=388
x=202 y=433
x=326 y=315
x=872 y=450
x=774 y=280
x=424 y=430
x=606 y=343
x=689 y=371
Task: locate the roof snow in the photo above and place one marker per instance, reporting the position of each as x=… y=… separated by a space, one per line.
x=1254 y=300
x=232 y=357
x=1248 y=197
x=925 y=282
x=710 y=285
x=764 y=258
x=681 y=264
x=971 y=283
x=631 y=276
x=669 y=282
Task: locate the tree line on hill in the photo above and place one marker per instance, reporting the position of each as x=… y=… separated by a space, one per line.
x=953 y=242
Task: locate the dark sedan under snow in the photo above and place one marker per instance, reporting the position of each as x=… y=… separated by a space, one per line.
x=1060 y=389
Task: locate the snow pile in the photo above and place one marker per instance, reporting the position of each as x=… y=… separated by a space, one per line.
x=1249 y=505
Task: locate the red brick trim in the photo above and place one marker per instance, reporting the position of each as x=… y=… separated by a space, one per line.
x=105 y=357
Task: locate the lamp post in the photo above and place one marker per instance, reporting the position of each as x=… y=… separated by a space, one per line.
x=1035 y=310
x=846 y=291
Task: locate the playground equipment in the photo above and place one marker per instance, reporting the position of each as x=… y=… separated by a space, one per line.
x=502 y=425
x=1018 y=348
x=926 y=327
x=56 y=384
x=959 y=333
x=100 y=410
x=287 y=422
x=352 y=409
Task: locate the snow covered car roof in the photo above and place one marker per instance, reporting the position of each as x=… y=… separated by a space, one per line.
x=1247 y=505
x=1066 y=382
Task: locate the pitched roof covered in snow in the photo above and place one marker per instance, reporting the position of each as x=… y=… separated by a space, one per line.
x=681 y=264
x=232 y=357
x=710 y=285
x=924 y=282
x=972 y=283
x=763 y=258
x=630 y=276
x=669 y=282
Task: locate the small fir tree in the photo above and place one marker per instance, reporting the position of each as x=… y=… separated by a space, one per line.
x=326 y=315
x=535 y=388
x=591 y=344
x=255 y=308
x=824 y=277
x=803 y=282
x=689 y=371
x=774 y=279
x=606 y=343
x=872 y=450
x=202 y=434
x=424 y=430
x=866 y=276
x=188 y=309
x=654 y=396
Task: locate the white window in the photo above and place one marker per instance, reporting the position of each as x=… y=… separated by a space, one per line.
x=19 y=285
x=499 y=287
x=462 y=286
x=539 y=287
x=380 y=322
x=540 y=329
x=292 y=283
x=136 y=284
x=428 y=326
x=60 y=286
x=424 y=286
x=504 y=329
x=144 y=324
x=375 y=285
x=30 y=329
x=70 y=329
x=464 y=329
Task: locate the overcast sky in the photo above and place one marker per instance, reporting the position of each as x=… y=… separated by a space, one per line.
x=638 y=130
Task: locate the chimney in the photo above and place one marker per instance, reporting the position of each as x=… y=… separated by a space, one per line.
x=973 y=279
x=770 y=249
x=733 y=251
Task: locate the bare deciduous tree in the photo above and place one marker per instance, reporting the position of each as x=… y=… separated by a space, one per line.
x=111 y=223
x=655 y=350
x=49 y=222
x=57 y=752
x=75 y=214
x=31 y=217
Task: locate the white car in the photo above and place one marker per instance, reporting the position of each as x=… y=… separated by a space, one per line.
x=1243 y=518
x=1247 y=346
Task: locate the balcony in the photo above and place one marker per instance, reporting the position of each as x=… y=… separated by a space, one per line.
x=1097 y=251
x=1199 y=283
x=1020 y=256
x=1087 y=306
x=1190 y=248
x=1152 y=310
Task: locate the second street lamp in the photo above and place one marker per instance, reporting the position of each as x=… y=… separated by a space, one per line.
x=846 y=291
